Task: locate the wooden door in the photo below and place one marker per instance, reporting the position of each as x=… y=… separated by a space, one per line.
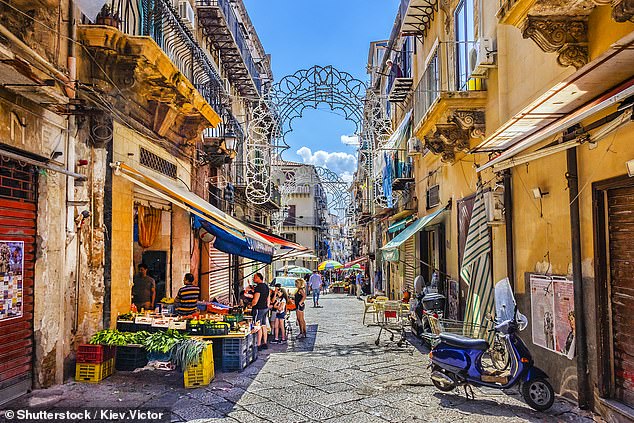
x=620 y=210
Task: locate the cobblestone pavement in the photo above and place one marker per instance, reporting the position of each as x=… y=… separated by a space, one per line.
x=337 y=374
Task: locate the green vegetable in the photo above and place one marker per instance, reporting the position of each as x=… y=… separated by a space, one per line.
x=162 y=341
x=187 y=352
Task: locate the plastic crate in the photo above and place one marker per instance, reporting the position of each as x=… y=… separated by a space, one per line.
x=95 y=354
x=203 y=372
x=93 y=373
x=216 y=328
x=234 y=346
x=254 y=353
x=232 y=363
x=235 y=318
x=126 y=326
x=131 y=357
x=197 y=329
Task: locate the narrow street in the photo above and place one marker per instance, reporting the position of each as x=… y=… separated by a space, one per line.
x=336 y=375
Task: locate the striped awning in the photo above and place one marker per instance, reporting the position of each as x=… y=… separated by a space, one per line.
x=400 y=225
x=476 y=270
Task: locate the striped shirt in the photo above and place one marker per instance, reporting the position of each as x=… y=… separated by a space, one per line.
x=187 y=298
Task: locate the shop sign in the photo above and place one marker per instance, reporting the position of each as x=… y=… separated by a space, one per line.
x=11 y=279
x=552 y=314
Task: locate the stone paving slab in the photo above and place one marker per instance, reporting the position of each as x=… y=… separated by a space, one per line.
x=336 y=375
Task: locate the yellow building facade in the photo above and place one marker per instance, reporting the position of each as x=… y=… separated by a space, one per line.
x=501 y=93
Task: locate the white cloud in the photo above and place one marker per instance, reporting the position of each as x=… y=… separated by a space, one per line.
x=350 y=140
x=344 y=164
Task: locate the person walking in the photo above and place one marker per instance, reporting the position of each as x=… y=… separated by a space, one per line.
x=315 y=283
x=143 y=289
x=187 y=296
x=359 y=283
x=260 y=306
x=300 y=303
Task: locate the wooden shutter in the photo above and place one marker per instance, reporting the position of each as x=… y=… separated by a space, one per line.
x=621 y=233
x=17 y=225
x=219 y=279
x=410 y=263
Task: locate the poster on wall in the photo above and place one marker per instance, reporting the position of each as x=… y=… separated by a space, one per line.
x=453 y=302
x=11 y=279
x=552 y=313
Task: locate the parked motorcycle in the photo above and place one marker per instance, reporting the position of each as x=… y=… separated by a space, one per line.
x=431 y=304
x=457 y=360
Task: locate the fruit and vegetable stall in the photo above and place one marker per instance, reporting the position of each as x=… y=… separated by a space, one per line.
x=215 y=337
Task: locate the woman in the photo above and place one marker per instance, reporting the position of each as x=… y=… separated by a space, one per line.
x=300 y=303
x=280 y=310
x=187 y=296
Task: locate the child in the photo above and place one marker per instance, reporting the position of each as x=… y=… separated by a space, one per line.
x=280 y=310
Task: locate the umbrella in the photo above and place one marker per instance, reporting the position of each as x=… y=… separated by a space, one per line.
x=355 y=267
x=298 y=270
x=286 y=268
x=329 y=265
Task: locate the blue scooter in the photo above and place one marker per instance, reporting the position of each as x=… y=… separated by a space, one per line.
x=457 y=360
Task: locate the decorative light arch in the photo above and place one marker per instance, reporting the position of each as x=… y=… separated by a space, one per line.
x=272 y=118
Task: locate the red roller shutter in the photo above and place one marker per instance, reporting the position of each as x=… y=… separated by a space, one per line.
x=17 y=226
x=219 y=275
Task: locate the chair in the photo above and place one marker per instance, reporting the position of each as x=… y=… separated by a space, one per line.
x=374 y=307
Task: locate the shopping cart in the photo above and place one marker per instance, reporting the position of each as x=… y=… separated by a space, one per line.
x=391 y=319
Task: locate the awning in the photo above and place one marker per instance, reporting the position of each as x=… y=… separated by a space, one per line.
x=244 y=247
x=41 y=163
x=608 y=99
x=398 y=136
x=356 y=261
x=399 y=225
x=279 y=241
x=389 y=248
x=223 y=224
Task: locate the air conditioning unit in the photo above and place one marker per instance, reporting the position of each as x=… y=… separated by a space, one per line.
x=414 y=146
x=433 y=196
x=494 y=206
x=482 y=57
x=186 y=11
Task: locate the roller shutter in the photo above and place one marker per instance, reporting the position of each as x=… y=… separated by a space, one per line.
x=219 y=279
x=410 y=263
x=17 y=266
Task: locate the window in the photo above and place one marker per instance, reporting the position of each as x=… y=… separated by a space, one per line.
x=464 y=26
x=154 y=162
x=289 y=236
x=290 y=218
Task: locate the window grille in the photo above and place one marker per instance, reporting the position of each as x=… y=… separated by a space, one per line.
x=158 y=164
x=17 y=180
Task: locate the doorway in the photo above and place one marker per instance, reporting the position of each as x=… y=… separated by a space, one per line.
x=157 y=269
x=614 y=248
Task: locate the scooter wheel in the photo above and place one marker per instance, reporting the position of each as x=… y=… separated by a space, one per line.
x=538 y=394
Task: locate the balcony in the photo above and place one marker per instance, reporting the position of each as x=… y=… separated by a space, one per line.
x=448 y=103
x=403 y=176
x=417 y=16
x=275 y=200
x=145 y=51
x=221 y=26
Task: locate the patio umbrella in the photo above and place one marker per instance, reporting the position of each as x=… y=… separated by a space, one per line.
x=329 y=265
x=298 y=270
x=286 y=268
x=355 y=267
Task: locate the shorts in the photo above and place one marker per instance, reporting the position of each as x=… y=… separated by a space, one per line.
x=261 y=316
x=281 y=315
x=301 y=307
x=273 y=316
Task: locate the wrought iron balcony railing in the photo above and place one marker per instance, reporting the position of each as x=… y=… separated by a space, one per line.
x=237 y=35
x=448 y=70
x=159 y=20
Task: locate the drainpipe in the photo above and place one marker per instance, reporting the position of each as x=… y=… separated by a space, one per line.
x=508 y=214
x=577 y=278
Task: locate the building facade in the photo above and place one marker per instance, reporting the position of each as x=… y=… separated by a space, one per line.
x=117 y=129
x=523 y=107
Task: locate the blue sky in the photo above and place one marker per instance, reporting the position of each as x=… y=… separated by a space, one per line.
x=301 y=33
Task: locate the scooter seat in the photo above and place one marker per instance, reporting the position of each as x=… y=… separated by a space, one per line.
x=463 y=341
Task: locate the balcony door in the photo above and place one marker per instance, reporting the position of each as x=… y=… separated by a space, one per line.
x=465 y=34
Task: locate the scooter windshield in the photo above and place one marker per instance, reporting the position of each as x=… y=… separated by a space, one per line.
x=505 y=304
x=504 y=301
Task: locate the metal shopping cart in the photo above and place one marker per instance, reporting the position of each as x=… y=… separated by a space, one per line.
x=391 y=319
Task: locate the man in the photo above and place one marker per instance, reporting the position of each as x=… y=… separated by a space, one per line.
x=315 y=283
x=260 y=306
x=187 y=296
x=359 y=283
x=143 y=289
